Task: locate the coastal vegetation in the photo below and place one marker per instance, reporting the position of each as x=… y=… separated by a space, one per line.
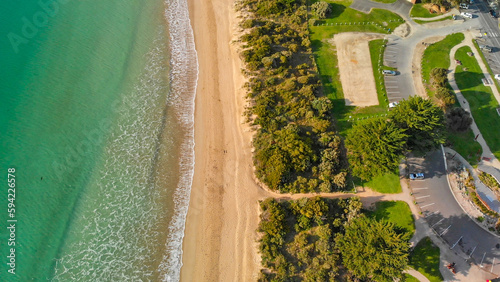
x=321 y=239
x=297 y=148
x=481 y=100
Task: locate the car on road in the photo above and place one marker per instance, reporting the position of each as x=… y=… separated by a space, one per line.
x=497 y=76
x=493 y=13
x=415 y=176
x=485 y=48
x=389 y=72
x=393 y=104
x=464 y=6
x=466 y=15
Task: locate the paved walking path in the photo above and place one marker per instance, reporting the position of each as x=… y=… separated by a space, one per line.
x=493 y=165
x=417 y=275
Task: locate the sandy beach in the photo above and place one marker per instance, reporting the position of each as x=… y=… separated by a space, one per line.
x=220 y=237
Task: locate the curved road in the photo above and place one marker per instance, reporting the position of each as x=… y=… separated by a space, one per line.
x=433 y=195
x=445 y=216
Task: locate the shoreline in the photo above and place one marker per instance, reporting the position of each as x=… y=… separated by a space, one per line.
x=220 y=239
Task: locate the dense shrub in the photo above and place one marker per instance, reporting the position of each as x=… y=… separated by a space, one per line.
x=458 y=120
x=296 y=147
x=445 y=97
x=439 y=77
x=308 y=253
x=321 y=9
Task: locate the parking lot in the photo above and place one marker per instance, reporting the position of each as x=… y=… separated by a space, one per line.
x=447 y=219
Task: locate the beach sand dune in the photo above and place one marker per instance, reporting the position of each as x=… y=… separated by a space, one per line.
x=220 y=242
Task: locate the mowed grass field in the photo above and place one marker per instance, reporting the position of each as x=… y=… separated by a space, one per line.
x=481 y=100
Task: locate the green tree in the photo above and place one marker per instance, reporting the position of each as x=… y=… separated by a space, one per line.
x=321 y=9
x=445 y=97
x=458 y=119
x=375 y=146
x=422 y=121
x=373 y=249
x=439 y=77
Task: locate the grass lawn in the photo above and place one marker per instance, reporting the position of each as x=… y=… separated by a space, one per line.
x=425 y=259
x=397 y=212
x=437 y=55
x=433 y=21
x=465 y=145
x=486 y=64
x=481 y=100
x=326 y=57
x=418 y=11
x=409 y=278
x=377 y=48
x=387 y=183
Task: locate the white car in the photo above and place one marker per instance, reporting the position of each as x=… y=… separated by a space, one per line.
x=389 y=72
x=464 y=5
x=466 y=15
x=393 y=104
x=497 y=76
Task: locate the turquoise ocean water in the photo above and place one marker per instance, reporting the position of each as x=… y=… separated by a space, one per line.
x=96 y=119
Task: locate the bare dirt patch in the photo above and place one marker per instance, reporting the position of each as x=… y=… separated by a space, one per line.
x=355 y=67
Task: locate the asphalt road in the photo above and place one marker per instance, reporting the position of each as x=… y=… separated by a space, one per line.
x=446 y=217
x=491 y=33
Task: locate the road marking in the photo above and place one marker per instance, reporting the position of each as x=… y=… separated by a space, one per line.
x=437 y=222
x=422 y=197
x=426 y=206
x=457 y=243
x=472 y=251
x=492 y=265
x=481 y=264
x=420 y=188
x=433 y=213
x=392 y=86
x=445 y=230
x=391 y=81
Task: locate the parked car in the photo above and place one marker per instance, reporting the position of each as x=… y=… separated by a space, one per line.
x=497 y=76
x=393 y=104
x=389 y=72
x=485 y=48
x=415 y=176
x=466 y=15
x=464 y=5
x=493 y=13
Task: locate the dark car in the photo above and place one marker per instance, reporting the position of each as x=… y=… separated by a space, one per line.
x=493 y=14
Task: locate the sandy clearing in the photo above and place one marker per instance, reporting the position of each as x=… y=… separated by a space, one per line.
x=355 y=67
